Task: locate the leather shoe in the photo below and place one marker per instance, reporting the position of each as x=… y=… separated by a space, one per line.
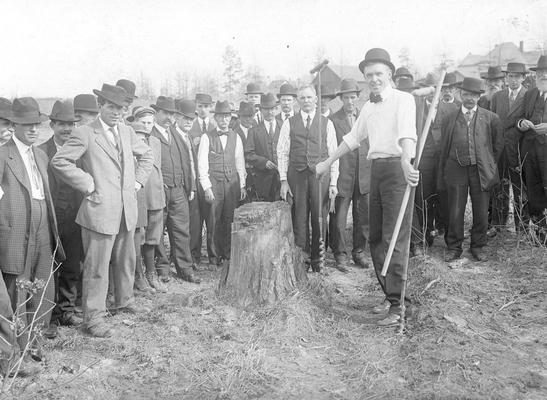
x=381 y=308
x=156 y=283
x=478 y=255
x=130 y=309
x=390 y=320
x=189 y=277
x=27 y=368
x=361 y=262
x=101 y=330
x=70 y=320
x=452 y=256
x=142 y=285
x=341 y=266
x=51 y=331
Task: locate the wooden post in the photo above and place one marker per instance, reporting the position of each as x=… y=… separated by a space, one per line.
x=265 y=265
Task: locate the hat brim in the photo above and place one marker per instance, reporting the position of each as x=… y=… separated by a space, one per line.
x=341 y=92
x=118 y=102
x=29 y=120
x=486 y=76
x=516 y=72
x=156 y=108
x=480 y=91
x=90 y=110
x=410 y=76
x=286 y=94
x=376 y=60
x=74 y=119
x=536 y=68
x=186 y=115
x=254 y=93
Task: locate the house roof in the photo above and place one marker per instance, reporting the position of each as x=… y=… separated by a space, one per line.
x=348 y=71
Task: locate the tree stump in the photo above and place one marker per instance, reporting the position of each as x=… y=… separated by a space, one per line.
x=265 y=265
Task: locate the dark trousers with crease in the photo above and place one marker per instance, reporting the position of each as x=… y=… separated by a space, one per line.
x=534 y=153
x=427 y=204
x=196 y=225
x=387 y=188
x=462 y=181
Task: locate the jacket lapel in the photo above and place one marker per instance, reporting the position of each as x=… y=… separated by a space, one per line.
x=518 y=101
x=17 y=166
x=104 y=143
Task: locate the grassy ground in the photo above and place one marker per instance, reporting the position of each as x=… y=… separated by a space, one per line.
x=479 y=333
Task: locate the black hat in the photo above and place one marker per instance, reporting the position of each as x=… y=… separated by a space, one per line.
x=129 y=87
x=287 y=90
x=377 y=55
x=406 y=84
x=515 y=68
x=348 y=86
x=164 y=103
x=223 y=107
x=63 y=111
x=26 y=110
x=268 y=100
x=402 y=71
x=450 y=79
x=203 y=98
x=472 y=85
x=254 y=88
x=542 y=64
x=494 y=72
x=246 y=109
x=114 y=94
x=186 y=107
x=86 y=102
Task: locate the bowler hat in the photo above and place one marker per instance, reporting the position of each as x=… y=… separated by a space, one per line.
x=139 y=128
x=403 y=71
x=472 y=85
x=326 y=91
x=515 y=68
x=377 y=55
x=246 y=109
x=204 y=98
x=86 y=102
x=113 y=94
x=5 y=108
x=268 y=100
x=129 y=87
x=223 y=107
x=348 y=86
x=287 y=90
x=450 y=79
x=140 y=111
x=406 y=84
x=494 y=72
x=164 y=103
x=25 y=110
x=63 y=111
x=542 y=64
x=254 y=88
x=186 y=107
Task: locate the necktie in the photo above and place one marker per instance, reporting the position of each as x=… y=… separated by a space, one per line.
x=204 y=127
x=271 y=130
x=375 y=98
x=350 y=119
x=308 y=123
x=116 y=139
x=36 y=178
x=287 y=116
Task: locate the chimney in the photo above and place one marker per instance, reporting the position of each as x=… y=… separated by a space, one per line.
x=521 y=46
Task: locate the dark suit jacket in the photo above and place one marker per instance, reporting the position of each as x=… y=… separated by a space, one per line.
x=196 y=130
x=530 y=98
x=15 y=209
x=488 y=145
x=348 y=162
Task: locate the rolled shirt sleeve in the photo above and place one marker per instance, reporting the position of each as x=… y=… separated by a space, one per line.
x=240 y=162
x=203 y=163
x=283 y=148
x=332 y=145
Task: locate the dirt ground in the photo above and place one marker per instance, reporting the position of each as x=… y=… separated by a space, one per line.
x=479 y=332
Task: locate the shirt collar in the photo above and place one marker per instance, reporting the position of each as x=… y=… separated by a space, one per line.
x=516 y=91
x=305 y=115
x=23 y=148
x=57 y=144
x=106 y=127
x=387 y=92
x=206 y=119
x=464 y=110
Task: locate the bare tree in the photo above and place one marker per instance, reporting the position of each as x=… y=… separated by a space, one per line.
x=232 y=69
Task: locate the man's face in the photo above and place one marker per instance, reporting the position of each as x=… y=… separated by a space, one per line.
x=541 y=79
x=147 y=121
x=494 y=85
x=223 y=120
x=253 y=98
x=165 y=118
x=307 y=100
x=61 y=130
x=514 y=80
x=378 y=77
x=86 y=117
x=246 y=120
x=26 y=133
x=287 y=103
x=469 y=99
x=184 y=123
x=203 y=110
x=268 y=113
x=447 y=93
x=6 y=130
x=348 y=102
x=111 y=113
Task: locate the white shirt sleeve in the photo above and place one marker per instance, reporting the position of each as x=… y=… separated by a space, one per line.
x=332 y=145
x=283 y=148
x=240 y=162
x=406 y=120
x=203 y=163
x=358 y=133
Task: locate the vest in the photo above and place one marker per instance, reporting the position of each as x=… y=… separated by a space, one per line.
x=222 y=162
x=175 y=163
x=462 y=149
x=304 y=151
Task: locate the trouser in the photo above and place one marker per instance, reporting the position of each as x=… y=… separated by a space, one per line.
x=196 y=225
x=220 y=217
x=38 y=267
x=387 y=188
x=138 y=240
x=177 y=220
x=461 y=182
x=69 y=273
x=100 y=250
x=427 y=204
x=8 y=344
x=534 y=153
x=307 y=200
x=337 y=224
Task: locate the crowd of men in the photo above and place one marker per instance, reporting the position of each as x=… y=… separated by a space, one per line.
x=93 y=202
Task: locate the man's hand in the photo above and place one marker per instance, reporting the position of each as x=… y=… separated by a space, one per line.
x=333 y=191
x=243 y=194
x=138 y=186
x=526 y=125
x=91 y=189
x=192 y=195
x=541 y=129
x=270 y=165
x=209 y=196
x=321 y=169
x=284 y=190
x=412 y=176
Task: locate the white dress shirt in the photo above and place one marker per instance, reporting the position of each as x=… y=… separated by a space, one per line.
x=109 y=133
x=203 y=160
x=244 y=130
x=187 y=141
x=36 y=185
x=514 y=93
x=284 y=147
x=385 y=124
x=270 y=124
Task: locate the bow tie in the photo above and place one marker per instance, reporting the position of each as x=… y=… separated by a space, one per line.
x=220 y=133
x=375 y=98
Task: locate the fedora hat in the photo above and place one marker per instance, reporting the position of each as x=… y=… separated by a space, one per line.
x=326 y=91
x=223 y=107
x=63 y=111
x=246 y=109
x=406 y=84
x=140 y=111
x=472 y=85
x=26 y=110
x=114 y=94
x=129 y=87
x=287 y=90
x=402 y=71
x=186 y=108
x=494 y=72
x=542 y=64
x=86 y=102
x=268 y=100
x=450 y=79
x=164 y=103
x=204 y=98
x=5 y=108
x=348 y=86
x=254 y=88
x=377 y=55
x=515 y=68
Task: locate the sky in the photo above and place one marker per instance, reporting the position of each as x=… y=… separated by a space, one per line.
x=58 y=48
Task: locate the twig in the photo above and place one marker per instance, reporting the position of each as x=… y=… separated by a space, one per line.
x=428 y=286
x=510 y=303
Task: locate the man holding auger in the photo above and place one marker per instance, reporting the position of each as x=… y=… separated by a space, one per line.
x=389 y=122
